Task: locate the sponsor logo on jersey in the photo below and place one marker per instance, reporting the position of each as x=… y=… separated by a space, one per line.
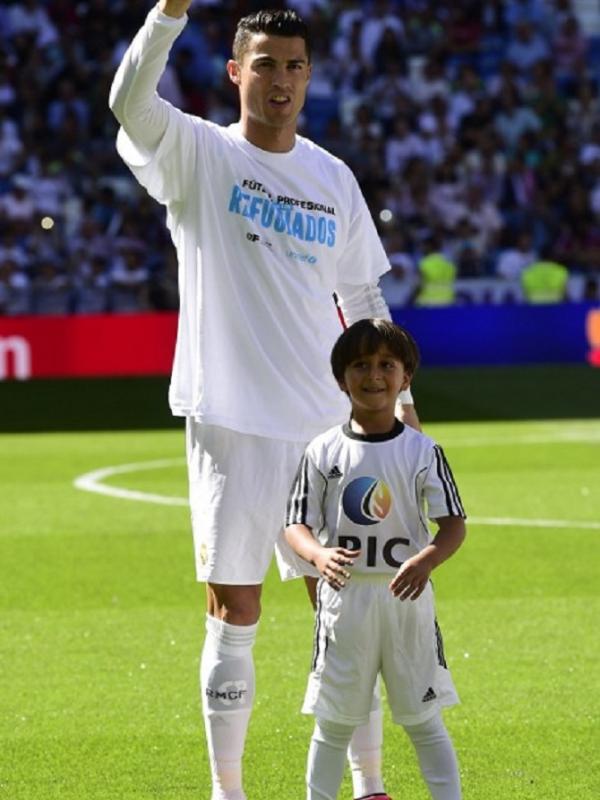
x=366 y=500
x=304 y=257
x=283 y=216
x=429 y=695
x=256 y=239
x=334 y=472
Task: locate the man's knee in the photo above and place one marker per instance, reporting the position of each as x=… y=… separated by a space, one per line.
x=236 y=605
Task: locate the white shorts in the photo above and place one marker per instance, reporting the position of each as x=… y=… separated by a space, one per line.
x=363 y=630
x=239 y=486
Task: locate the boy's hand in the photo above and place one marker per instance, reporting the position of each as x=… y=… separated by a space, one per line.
x=332 y=562
x=412 y=577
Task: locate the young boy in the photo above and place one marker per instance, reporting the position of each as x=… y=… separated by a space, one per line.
x=358 y=502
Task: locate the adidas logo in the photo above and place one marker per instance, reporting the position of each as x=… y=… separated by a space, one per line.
x=429 y=695
x=334 y=472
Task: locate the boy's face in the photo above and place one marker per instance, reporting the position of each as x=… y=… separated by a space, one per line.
x=375 y=381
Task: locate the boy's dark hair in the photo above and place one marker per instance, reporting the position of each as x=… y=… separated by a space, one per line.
x=275 y=22
x=365 y=337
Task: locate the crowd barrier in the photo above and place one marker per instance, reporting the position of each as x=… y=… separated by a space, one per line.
x=142 y=344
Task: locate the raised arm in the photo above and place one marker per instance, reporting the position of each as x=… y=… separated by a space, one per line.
x=174 y=8
x=133 y=100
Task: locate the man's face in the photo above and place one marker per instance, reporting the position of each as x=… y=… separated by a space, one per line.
x=272 y=78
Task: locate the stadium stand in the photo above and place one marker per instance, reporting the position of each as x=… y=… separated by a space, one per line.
x=473 y=124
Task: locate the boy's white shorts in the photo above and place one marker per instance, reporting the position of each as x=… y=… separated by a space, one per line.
x=363 y=630
x=239 y=486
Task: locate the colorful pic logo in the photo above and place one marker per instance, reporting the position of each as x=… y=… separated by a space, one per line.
x=367 y=501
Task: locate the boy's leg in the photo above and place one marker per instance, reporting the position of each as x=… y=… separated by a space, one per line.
x=227 y=683
x=364 y=752
x=437 y=758
x=326 y=760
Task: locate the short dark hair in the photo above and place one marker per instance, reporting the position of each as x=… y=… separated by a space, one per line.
x=275 y=22
x=365 y=337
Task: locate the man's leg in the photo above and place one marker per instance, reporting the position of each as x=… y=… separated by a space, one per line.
x=227 y=682
x=364 y=752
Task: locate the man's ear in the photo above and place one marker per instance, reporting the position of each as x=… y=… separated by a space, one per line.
x=233 y=70
x=342 y=386
x=406 y=382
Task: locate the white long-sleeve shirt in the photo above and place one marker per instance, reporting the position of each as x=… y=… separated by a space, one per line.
x=263 y=240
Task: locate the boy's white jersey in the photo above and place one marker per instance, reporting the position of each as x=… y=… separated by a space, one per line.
x=373 y=493
x=263 y=240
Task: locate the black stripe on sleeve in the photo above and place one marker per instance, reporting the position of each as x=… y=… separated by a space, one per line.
x=298 y=501
x=453 y=503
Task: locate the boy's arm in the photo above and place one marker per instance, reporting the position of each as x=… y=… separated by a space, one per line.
x=412 y=577
x=329 y=561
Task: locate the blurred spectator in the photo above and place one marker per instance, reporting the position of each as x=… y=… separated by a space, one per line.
x=464 y=249
x=14 y=287
x=569 y=47
x=380 y=18
x=30 y=17
x=437 y=276
x=399 y=285
x=92 y=285
x=51 y=291
x=402 y=145
x=164 y=292
x=545 y=282
x=512 y=260
x=514 y=118
x=429 y=82
x=526 y=47
x=130 y=277
x=17 y=205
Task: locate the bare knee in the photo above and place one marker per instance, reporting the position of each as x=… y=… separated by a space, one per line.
x=237 y=605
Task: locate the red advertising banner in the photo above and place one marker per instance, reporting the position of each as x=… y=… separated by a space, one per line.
x=86 y=346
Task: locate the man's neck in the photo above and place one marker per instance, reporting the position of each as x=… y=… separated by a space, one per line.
x=273 y=140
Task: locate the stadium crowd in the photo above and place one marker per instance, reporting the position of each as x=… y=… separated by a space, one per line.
x=472 y=127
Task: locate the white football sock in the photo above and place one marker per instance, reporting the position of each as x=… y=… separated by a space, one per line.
x=227 y=686
x=437 y=758
x=326 y=760
x=364 y=752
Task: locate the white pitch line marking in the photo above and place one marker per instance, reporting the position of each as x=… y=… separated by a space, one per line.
x=92 y=482
x=535 y=523
x=564 y=437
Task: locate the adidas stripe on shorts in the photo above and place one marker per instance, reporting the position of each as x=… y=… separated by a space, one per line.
x=373 y=632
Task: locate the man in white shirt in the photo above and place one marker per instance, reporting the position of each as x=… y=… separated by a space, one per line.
x=267 y=226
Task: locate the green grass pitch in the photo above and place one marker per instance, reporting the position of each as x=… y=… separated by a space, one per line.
x=102 y=624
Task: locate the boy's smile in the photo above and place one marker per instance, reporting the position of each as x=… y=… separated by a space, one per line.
x=373 y=383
